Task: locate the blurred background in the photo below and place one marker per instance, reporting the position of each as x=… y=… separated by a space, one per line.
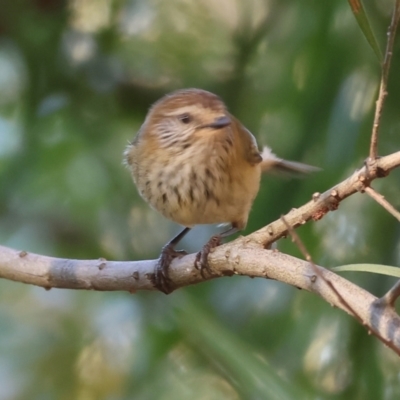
x=76 y=80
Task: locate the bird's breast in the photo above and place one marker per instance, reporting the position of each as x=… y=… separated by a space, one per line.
x=198 y=185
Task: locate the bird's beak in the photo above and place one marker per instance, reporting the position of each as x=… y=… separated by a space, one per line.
x=220 y=122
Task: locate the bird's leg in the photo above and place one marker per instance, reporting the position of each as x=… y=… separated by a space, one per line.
x=201 y=262
x=161 y=279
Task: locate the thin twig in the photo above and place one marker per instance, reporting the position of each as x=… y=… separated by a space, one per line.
x=296 y=239
x=384 y=79
x=390 y=297
x=323 y=203
x=382 y=201
x=379 y=302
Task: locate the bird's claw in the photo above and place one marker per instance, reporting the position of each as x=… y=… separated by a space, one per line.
x=162 y=281
x=201 y=262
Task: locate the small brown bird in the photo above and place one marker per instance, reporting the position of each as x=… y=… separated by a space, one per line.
x=196 y=163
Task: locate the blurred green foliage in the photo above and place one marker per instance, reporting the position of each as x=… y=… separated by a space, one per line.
x=76 y=79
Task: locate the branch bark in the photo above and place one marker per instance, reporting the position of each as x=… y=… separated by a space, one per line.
x=241 y=257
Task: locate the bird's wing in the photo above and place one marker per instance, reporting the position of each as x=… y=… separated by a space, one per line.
x=248 y=142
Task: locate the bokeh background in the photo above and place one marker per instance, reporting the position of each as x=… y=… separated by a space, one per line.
x=76 y=80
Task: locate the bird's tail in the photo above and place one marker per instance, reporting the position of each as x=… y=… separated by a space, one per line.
x=272 y=164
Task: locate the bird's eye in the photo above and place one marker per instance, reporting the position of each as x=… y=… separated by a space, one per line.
x=185 y=118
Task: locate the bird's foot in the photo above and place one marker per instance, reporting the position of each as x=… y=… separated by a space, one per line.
x=201 y=262
x=162 y=280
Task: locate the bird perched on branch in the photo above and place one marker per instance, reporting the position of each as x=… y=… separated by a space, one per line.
x=196 y=163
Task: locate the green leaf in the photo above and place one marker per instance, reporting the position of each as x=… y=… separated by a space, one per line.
x=362 y=19
x=374 y=268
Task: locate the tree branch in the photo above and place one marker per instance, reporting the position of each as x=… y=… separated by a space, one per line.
x=240 y=257
x=321 y=204
x=246 y=255
x=101 y=274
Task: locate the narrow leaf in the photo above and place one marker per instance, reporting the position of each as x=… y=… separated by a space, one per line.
x=374 y=268
x=362 y=19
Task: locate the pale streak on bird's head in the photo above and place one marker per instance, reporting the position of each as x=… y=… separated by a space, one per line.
x=184 y=115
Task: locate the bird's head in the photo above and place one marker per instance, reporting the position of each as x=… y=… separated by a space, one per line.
x=185 y=115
